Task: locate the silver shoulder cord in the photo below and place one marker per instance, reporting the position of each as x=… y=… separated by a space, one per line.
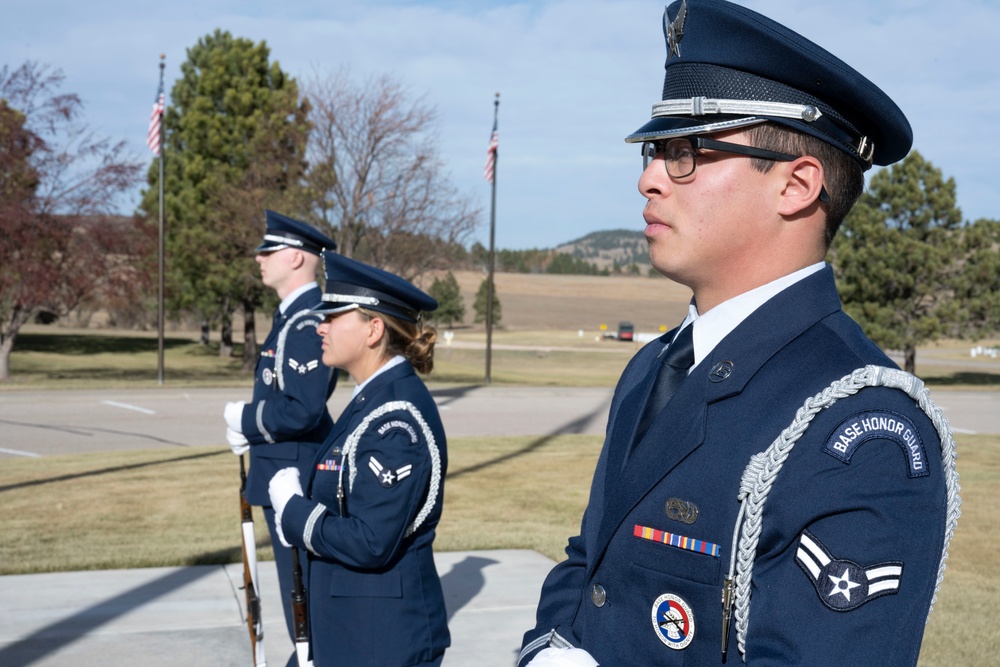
x=347 y=459
x=279 y=355
x=760 y=473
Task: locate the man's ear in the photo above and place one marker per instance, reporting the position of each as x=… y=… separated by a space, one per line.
x=803 y=184
x=298 y=259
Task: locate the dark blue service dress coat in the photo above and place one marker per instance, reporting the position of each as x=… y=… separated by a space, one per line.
x=375 y=597
x=852 y=531
x=287 y=420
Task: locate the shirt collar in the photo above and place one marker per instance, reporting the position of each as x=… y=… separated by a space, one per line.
x=395 y=361
x=290 y=299
x=716 y=324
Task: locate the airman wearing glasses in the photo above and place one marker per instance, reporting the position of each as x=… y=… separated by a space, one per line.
x=751 y=161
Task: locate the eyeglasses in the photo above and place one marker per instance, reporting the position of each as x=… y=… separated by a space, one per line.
x=680 y=155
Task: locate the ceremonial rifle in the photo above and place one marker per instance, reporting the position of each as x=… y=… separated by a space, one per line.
x=250 y=581
x=300 y=614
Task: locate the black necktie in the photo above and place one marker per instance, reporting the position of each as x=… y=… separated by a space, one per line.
x=673 y=369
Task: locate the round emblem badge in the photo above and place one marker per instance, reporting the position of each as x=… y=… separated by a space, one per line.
x=267 y=375
x=673 y=621
x=848 y=584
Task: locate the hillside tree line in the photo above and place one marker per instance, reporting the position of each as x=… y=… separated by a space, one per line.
x=360 y=160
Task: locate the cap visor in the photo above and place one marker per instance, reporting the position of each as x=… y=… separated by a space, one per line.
x=265 y=248
x=682 y=126
x=330 y=308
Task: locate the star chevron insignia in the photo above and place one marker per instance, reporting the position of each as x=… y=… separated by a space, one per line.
x=303 y=368
x=387 y=477
x=841 y=584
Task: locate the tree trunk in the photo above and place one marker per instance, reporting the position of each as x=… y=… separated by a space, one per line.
x=5 y=347
x=226 y=332
x=910 y=362
x=18 y=318
x=249 y=337
x=226 y=346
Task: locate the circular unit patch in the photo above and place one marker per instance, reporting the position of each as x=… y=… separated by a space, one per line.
x=673 y=621
x=267 y=376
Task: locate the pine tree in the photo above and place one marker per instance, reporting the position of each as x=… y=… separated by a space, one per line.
x=977 y=285
x=451 y=307
x=481 y=301
x=897 y=256
x=235 y=145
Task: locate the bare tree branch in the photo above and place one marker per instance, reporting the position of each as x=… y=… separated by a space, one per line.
x=375 y=179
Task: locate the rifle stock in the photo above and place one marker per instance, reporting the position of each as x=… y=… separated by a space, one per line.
x=300 y=612
x=250 y=583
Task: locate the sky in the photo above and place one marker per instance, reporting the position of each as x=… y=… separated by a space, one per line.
x=574 y=76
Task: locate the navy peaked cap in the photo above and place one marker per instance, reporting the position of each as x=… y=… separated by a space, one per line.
x=284 y=232
x=351 y=284
x=728 y=67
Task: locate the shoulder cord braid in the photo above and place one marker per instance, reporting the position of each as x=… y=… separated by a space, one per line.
x=279 y=354
x=760 y=473
x=351 y=448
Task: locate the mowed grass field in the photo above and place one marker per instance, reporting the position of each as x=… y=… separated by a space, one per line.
x=550 y=333
x=160 y=507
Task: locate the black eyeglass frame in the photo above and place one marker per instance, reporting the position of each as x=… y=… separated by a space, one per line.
x=697 y=142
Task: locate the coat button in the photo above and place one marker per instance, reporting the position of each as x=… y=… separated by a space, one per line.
x=598 y=595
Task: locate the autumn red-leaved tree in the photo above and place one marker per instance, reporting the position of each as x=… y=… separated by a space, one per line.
x=58 y=187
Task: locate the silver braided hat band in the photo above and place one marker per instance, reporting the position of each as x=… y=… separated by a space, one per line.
x=702 y=106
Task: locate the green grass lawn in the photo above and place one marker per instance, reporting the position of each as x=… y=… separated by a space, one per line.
x=169 y=507
x=165 y=507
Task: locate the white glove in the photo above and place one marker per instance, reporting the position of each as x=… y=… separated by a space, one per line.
x=562 y=657
x=277 y=528
x=282 y=487
x=237 y=442
x=234 y=415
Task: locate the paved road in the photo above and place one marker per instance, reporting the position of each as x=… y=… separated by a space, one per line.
x=43 y=423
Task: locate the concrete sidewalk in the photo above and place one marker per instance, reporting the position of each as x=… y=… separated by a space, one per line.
x=193 y=616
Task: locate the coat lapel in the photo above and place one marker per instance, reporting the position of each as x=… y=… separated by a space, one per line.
x=673 y=435
x=680 y=428
x=629 y=410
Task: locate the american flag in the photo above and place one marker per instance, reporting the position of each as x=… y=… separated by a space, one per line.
x=156 y=121
x=491 y=154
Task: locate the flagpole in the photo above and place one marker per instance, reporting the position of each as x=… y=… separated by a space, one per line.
x=159 y=326
x=492 y=255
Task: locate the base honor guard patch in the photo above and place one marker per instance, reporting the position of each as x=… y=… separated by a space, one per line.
x=844 y=585
x=673 y=621
x=267 y=376
x=883 y=424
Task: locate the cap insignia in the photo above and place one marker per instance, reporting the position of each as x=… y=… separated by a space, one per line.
x=675 y=30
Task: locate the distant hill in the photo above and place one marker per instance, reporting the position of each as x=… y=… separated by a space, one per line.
x=611 y=248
